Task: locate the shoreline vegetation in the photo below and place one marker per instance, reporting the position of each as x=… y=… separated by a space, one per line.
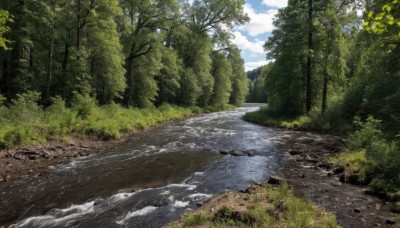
x=262 y=205
x=33 y=138
x=25 y=123
x=368 y=158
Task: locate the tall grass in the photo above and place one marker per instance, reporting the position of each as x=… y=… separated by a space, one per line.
x=24 y=122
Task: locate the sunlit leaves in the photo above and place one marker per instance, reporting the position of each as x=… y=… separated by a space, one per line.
x=4 y=18
x=387 y=20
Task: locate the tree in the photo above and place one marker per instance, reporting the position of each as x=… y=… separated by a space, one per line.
x=240 y=82
x=169 y=78
x=4 y=19
x=221 y=71
x=286 y=84
x=143 y=21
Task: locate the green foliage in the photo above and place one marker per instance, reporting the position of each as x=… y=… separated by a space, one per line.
x=4 y=18
x=140 y=53
x=221 y=71
x=30 y=124
x=387 y=20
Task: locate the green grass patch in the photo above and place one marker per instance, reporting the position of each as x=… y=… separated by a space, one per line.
x=24 y=122
x=263 y=207
x=314 y=121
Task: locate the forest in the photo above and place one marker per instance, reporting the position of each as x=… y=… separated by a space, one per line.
x=92 y=60
x=335 y=68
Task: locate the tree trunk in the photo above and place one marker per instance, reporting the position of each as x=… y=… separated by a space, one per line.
x=65 y=60
x=49 y=70
x=78 y=27
x=309 y=58
x=129 y=88
x=325 y=93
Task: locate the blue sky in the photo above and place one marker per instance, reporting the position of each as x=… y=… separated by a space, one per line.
x=251 y=37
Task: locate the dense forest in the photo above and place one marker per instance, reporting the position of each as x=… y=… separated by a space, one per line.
x=140 y=54
x=337 y=70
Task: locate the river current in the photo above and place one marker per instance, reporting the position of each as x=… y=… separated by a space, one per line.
x=148 y=181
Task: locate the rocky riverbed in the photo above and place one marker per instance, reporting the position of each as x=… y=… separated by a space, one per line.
x=313 y=177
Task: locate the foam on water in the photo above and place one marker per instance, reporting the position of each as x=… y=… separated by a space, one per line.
x=58 y=216
x=141 y=212
x=199 y=196
x=180 y=204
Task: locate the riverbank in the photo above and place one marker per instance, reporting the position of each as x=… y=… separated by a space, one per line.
x=310 y=175
x=105 y=128
x=370 y=157
x=262 y=205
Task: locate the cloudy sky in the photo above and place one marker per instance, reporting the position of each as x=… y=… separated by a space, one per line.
x=251 y=37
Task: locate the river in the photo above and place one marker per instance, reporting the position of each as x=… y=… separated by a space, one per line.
x=157 y=175
x=149 y=180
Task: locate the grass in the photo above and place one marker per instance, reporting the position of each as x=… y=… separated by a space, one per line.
x=373 y=157
x=24 y=122
x=263 y=207
x=352 y=161
x=314 y=121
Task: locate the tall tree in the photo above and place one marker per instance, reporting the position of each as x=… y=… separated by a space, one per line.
x=221 y=71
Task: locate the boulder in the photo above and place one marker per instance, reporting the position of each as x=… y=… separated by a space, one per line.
x=224 y=152
x=238 y=153
x=275 y=180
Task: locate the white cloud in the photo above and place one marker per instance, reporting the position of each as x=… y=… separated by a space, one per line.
x=275 y=3
x=253 y=65
x=259 y=22
x=253 y=48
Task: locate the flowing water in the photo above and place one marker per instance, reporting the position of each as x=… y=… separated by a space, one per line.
x=153 y=178
x=148 y=181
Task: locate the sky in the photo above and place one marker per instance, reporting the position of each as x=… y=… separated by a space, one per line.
x=251 y=37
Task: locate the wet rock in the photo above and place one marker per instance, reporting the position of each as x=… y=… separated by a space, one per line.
x=351 y=178
x=295 y=152
x=85 y=146
x=390 y=222
x=329 y=174
x=238 y=153
x=393 y=197
x=82 y=154
x=224 y=152
x=356 y=210
x=302 y=175
x=336 y=183
x=338 y=170
x=368 y=192
x=32 y=157
x=275 y=180
x=314 y=161
x=214 y=151
x=30 y=171
x=325 y=165
x=99 y=201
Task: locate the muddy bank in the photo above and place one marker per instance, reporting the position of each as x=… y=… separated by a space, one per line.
x=311 y=176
